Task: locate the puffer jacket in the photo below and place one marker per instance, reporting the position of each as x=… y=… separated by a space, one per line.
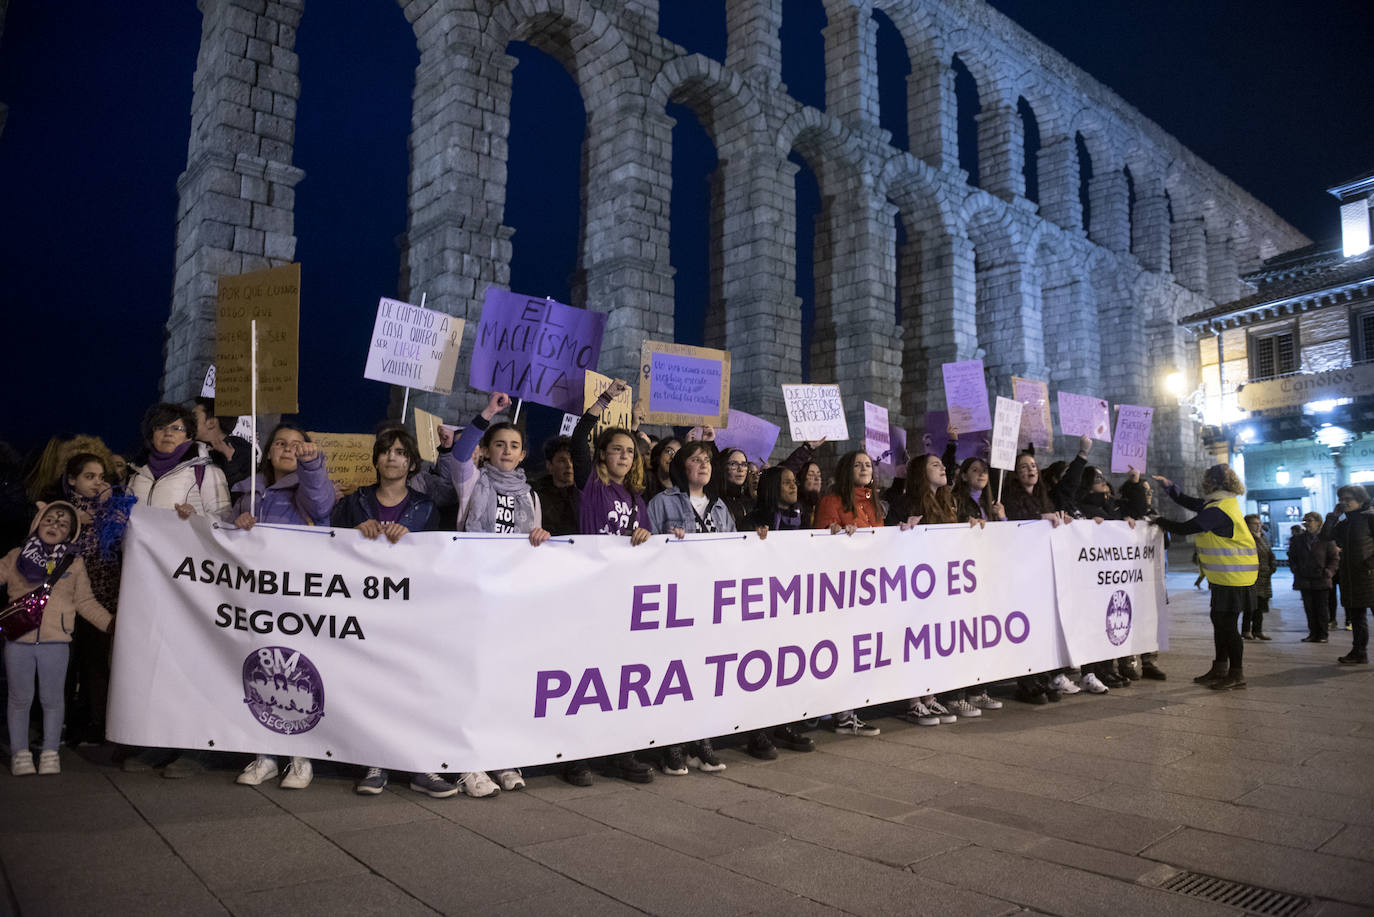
x=71 y=595
x=206 y=490
x=361 y=505
x=304 y=497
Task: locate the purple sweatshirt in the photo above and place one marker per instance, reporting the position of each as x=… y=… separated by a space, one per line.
x=604 y=508
x=304 y=497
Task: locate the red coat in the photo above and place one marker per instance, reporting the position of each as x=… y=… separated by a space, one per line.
x=867 y=514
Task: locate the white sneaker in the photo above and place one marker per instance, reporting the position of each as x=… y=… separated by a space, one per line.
x=299 y=773
x=21 y=765
x=919 y=714
x=1093 y=685
x=939 y=709
x=1063 y=685
x=964 y=708
x=510 y=779
x=259 y=769
x=48 y=762
x=983 y=702
x=478 y=785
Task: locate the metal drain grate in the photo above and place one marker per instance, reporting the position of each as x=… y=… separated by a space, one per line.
x=1250 y=898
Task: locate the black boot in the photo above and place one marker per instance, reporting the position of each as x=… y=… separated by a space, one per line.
x=1152 y=671
x=1234 y=681
x=1216 y=673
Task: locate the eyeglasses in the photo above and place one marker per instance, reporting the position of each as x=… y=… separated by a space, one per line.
x=170 y=428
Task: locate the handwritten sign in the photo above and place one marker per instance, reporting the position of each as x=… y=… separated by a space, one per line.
x=427 y=434
x=936 y=438
x=683 y=385
x=348 y=456
x=877 y=438
x=569 y=424
x=1006 y=433
x=815 y=412
x=1132 y=437
x=272 y=297
x=1035 y=417
x=1079 y=414
x=966 y=395
x=753 y=436
x=619 y=413
x=207 y=387
x=897 y=437
x=536 y=349
x=414 y=347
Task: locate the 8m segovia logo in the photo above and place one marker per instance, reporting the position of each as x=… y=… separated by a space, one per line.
x=1118 y=617
x=283 y=690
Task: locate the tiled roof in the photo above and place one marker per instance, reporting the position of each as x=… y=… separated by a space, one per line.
x=1294 y=276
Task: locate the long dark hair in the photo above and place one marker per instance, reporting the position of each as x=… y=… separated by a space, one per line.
x=770 y=491
x=844 y=480
x=933 y=506
x=963 y=496
x=1022 y=505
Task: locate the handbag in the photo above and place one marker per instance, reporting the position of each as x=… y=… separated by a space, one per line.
x=25 y=614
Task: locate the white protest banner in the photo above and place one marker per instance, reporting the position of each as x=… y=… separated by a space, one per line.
x=427 y=434
x=966 y=395
x=207 y=387
x=877 y=435
x=1006 y=433
x=289 y=640
x=414 y=347
x=1035 y=418
x=1079 y=414
x=754 y=436
x=1109 y=580
x=1132 y=440
x=815 y=412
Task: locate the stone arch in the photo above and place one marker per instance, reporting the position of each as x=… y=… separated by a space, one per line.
x=1007 y=313
x=721 y=100
x=1069 y=319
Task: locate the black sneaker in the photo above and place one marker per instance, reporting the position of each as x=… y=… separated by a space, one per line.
x=703 y=757
x=578 y=774
x=672 y=762
x=628 y=767
x=792 y=740
x=1031 y=697
x=1354 y=659
x=1153 y=672
x=761 y=747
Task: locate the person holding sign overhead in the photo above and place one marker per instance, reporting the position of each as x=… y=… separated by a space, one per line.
x=611 y=483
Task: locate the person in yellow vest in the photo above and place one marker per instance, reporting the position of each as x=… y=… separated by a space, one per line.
x=1228 y=557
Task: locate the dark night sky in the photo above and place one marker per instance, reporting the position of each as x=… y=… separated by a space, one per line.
x=1274 y=94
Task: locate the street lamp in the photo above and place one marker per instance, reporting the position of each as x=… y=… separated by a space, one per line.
x=1176 y=384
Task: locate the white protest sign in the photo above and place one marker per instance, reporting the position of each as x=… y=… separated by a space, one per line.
x=569 y=424
x=1006 y=433
x=283 y=640
x=207 y=387
x=966 y=395
x=815 y=412
x=1109 y=583
x=1132 y=437
x=414 y=347
x=877 y=435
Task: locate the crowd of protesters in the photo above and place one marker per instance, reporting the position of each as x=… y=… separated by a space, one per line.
x=62 y=518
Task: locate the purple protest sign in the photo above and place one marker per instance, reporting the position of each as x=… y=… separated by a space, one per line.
x=1132 y=438
x=536 y=349
x=936 y=438
x=1079 y=414
x=897 y=437
x=754 y=436
x=877 y=440
x=966 y=395
x=1035 y=417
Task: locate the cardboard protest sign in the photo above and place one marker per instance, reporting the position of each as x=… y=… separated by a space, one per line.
x=1035 y=417
x=207 y=387
x=1132 y=437
x=1079 y=414
x=347 y=458
x=683 y=385
x=619 y=413
x=966 y=395
x=535 y=348
x=1006 y=433
x=414 y=347
x=815 y=412
x=427 y=434
x=754 y=436
x=877 y=438
x=272 y=297
x=936 y=437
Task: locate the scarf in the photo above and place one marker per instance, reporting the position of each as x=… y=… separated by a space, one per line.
x=789 y=518
x=159 y=463
x=482 y=505
x=37 y=558
x=977 y=497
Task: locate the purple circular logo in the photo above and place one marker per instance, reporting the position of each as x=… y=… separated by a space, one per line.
x=283 y=690
x=1118 y=617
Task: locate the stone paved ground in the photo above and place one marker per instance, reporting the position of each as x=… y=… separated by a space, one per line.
x=1081 y=807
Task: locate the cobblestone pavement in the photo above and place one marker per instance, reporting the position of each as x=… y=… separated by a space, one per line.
x=1088 y=806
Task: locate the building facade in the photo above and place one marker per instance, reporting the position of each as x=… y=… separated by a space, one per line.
x=1079 y=279
x=1287 y=381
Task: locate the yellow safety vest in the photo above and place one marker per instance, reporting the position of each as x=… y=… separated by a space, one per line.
x=1229 y=561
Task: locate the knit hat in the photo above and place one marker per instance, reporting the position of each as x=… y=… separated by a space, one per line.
x=59 y=504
